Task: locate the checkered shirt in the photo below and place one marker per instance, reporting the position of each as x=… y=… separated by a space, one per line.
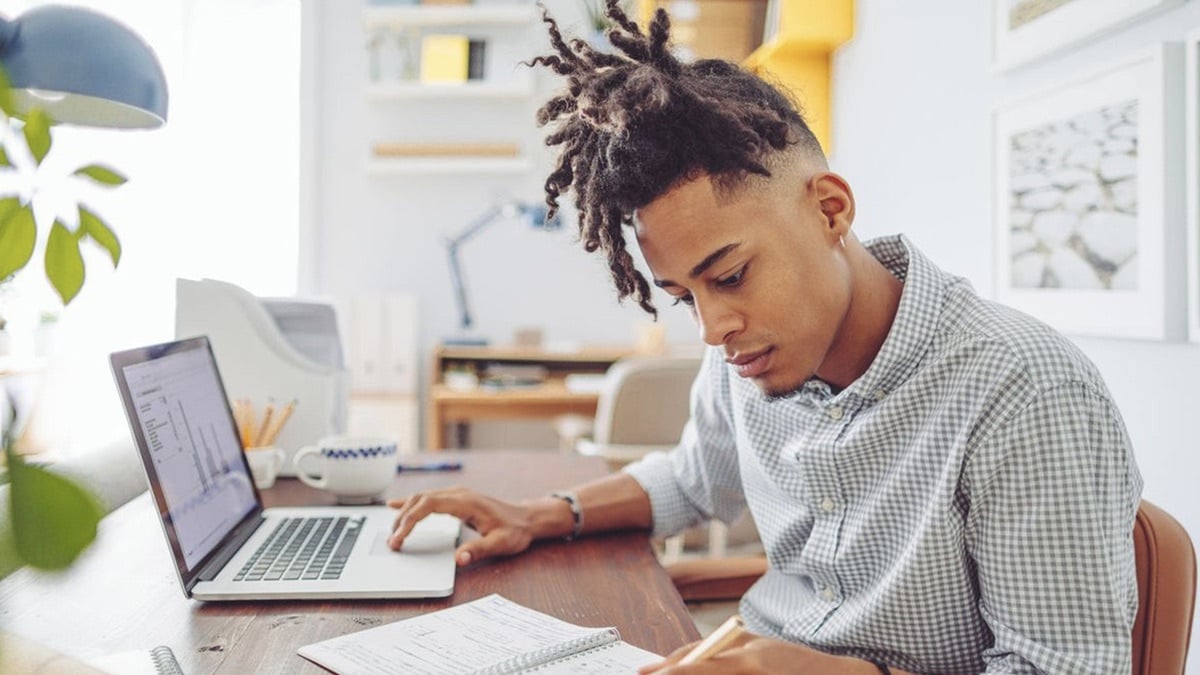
x=964 y=506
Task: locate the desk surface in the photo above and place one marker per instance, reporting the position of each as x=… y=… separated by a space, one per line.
x=123 y=594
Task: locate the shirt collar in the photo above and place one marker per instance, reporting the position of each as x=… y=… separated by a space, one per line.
x=916 y=320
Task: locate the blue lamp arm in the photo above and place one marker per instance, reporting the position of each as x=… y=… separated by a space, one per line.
x=535 y=213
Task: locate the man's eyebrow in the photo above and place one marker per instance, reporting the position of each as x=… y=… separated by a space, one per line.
x=699 y=269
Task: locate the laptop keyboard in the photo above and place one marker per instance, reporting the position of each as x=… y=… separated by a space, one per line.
x=304 y=549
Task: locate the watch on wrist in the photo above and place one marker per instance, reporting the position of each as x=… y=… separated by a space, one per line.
x=576 y=513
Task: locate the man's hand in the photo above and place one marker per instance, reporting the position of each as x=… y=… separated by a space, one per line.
x=507 y=528
x=754 y=654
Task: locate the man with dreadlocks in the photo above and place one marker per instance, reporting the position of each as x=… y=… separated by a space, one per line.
x=941 y=484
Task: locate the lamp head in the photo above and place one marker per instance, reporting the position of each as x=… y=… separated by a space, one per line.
x=535 y=216
x=83 y=68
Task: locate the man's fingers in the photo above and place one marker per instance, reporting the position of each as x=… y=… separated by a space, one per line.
x=501 y=541
x=414 y=508
x=670 y=660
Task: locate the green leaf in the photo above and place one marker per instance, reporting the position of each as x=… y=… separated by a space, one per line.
x=18 y=234
x=6 y=98
x=64 y=263
x=37 y=134
x=4 y=160
x=101 y=174
x=103 y=235
x=53 y=519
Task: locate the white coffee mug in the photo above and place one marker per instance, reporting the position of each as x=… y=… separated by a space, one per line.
x=355 y=469
x=264 y=465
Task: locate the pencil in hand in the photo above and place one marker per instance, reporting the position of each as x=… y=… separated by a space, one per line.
x=719 y=639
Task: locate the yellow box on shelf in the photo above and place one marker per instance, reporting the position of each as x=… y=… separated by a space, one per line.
x=445 y=58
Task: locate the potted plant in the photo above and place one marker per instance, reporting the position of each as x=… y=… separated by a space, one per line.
x=42 y=502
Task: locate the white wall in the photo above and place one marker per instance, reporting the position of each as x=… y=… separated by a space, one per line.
x=913 y=100
x=385 y=232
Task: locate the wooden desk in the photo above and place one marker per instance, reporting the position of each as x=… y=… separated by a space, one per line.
x=544 y=401
x=123 y=594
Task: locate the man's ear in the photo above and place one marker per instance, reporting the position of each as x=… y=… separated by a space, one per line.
x=836 y=200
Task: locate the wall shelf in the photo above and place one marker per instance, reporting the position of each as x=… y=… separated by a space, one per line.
x=447 y=165
x=404 y=91
x=799 y=54
x=449 y=15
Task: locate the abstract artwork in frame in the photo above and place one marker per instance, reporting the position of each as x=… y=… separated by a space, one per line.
x=1088 y=211
x=1192 y=185
x=1024 y=30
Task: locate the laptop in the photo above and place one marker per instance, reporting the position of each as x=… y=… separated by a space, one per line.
x=225 y=545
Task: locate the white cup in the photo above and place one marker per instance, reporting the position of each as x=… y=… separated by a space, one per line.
x=264 y=465
x=355 y=469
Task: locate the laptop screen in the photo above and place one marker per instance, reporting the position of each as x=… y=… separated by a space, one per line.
x=188 y=440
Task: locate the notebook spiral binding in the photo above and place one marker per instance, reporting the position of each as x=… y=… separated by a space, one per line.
x=542 y=657
x=164 y=661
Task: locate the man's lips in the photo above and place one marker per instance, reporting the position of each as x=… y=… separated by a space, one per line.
x=751 y=365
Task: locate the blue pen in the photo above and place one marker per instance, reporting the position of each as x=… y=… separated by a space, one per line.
x=430 y=466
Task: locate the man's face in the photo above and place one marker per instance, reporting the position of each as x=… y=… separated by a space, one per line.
x=763 y=272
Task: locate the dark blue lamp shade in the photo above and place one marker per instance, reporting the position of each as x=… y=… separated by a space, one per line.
x=83 y=68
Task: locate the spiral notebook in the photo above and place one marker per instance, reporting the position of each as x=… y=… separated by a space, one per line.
x=157 y=661
x=489 y=636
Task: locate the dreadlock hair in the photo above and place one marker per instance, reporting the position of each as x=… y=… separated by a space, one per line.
x=636 y=123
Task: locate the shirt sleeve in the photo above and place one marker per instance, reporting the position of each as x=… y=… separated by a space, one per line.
x=699 y=479
x=1052 y=495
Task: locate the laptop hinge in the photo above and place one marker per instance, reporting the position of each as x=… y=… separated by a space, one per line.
x=237 y=538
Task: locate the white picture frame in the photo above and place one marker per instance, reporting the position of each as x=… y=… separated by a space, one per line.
x=1192 y=131
x=1088 y=206
x=1053 y=25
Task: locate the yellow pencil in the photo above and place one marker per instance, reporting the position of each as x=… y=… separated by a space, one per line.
x=719 y=639
x=260 y=437
x=284 y=414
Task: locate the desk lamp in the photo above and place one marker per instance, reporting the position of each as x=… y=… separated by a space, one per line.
x=83 y=68
x=533 y=215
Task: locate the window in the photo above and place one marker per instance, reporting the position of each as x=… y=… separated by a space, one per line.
x=214 y=193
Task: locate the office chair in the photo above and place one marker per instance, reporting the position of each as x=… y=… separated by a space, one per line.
x=1166 y=574
x=642 y=408
x=1166 y=578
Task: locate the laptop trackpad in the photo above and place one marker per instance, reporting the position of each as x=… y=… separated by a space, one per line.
x=417 y=542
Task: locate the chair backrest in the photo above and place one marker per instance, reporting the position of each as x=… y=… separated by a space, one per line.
x=1166 y=576
x=645 y=400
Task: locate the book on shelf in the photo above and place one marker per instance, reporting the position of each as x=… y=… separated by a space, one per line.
x=476 y=51
x=489 y=636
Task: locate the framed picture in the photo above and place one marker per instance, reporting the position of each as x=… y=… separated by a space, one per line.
x=1192 y=126
x=1088 y=206
x=1028 y=29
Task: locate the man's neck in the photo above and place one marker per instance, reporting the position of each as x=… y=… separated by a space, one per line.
x=874 y=301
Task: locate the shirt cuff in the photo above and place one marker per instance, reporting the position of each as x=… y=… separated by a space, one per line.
x=669 y=506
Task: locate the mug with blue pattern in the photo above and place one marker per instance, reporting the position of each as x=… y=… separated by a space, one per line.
x=355 y=469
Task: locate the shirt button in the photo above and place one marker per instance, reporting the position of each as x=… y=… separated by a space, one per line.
x=879 y=394
x=827 y=505
x=827 y=594
x=835 y=413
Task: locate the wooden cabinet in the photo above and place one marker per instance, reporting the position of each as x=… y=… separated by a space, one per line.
x=452 y=407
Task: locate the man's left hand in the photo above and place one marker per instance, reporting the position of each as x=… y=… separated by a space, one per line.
x=755 y=654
